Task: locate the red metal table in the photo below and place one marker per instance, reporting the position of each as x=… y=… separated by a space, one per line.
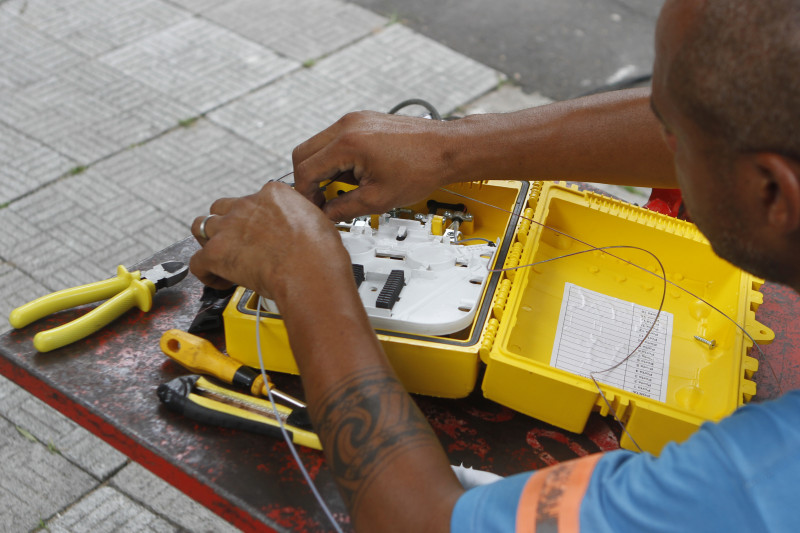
x=107 y=383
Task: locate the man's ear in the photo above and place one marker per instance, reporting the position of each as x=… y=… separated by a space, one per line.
x=780 y=190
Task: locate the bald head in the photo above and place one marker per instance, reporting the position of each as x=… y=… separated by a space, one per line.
x=735 y=70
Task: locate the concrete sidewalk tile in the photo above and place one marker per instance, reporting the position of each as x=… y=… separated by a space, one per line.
x=301 y=29
x=158 y=234
x=397 y=64
x=7 y=387
x=28 y=55
x=52 y=428
x=96 y=26
x=287 y=112
x=199 y=63
x=18 y=288
x=199 y=6
x=183 y=172
x=61 y=236
x=129 y=206
x=107 y=510
x=41 y=257
x=26 y=164
x=35 y=483
x=90 y=111
x=158 y=495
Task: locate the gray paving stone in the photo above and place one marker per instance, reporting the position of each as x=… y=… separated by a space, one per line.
x=287 y=112
x=35 y=483
x=7 y=387
x=199 y=63
x=107 y=510
x=26 y=164
x=183 y=172
x=28 y=55
x=397 y=63
x=38 y=254
x=127 y=207
x=199 y=6
x=158 y=495
x=90 y=111
x=66 y=235
x=96 y=26
x=300 y=29
x=54 y=429
x=18 y=288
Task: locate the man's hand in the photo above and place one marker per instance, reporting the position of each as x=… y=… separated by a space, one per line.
x=395 y=160
x=269 y=242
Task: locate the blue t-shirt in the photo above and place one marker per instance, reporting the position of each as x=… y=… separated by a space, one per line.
x=742 y=474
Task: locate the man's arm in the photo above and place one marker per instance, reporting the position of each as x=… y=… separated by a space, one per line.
x=390 y=468
x=608 y=138
x=387 y=462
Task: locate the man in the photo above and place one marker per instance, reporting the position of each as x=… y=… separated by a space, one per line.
x=724 y=91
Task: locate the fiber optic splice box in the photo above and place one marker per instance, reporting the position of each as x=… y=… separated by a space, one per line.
x=454 y=282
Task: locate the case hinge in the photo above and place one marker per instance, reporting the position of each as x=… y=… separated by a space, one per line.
x=487 y=341
x=525 y=226
x=748 y=390
x=618 y=402
x=500 y=298
x=512 y=259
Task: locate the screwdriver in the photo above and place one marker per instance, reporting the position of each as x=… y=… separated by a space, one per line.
x=199 y=355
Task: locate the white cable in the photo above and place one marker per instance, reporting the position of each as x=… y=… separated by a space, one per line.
x=283 y=428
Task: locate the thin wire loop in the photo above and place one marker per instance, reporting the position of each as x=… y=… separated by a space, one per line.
x=662 y=277
x=286 y=437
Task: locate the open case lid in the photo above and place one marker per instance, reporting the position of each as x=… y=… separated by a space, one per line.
x=577 y=314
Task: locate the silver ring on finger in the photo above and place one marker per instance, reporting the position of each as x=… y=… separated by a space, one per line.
x=202 y=229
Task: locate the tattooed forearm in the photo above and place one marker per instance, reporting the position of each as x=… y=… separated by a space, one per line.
x=363 y=423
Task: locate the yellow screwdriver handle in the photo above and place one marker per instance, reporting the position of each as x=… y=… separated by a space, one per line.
x=198 y=355
x=139 y=293
x=68 y=298
x=259 y=388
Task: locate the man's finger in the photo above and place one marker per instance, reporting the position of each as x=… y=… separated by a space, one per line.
x=313 y=145
x=222 y=206
x=331 y=161
x=201 y=225
x=198 y=267
x=348 y=206
x=201 y=228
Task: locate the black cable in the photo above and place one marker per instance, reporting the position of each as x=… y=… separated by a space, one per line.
x=435 y=115
x=487 y=241
x=626 y=83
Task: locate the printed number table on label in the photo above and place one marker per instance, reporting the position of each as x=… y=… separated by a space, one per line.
x=597 y=333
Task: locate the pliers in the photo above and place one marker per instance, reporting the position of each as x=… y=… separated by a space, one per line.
x=126 y=290
x=197 y=398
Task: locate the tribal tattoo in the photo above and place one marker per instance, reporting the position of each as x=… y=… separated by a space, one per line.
x=364 y=422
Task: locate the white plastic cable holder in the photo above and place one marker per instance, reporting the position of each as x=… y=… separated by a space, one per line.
x=413 y=280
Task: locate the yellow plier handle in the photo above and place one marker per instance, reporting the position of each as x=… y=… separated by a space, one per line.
x=124 y=291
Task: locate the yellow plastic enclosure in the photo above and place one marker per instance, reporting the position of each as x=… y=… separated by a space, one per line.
x=709 y=369
x=520 y=313
x=435 y=365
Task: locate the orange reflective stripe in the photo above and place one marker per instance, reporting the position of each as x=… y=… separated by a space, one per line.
x=551 y=499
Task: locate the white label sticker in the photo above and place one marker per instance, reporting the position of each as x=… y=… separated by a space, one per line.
x=596 y=334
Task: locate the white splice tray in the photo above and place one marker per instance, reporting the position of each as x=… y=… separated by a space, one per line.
x=443 y=282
